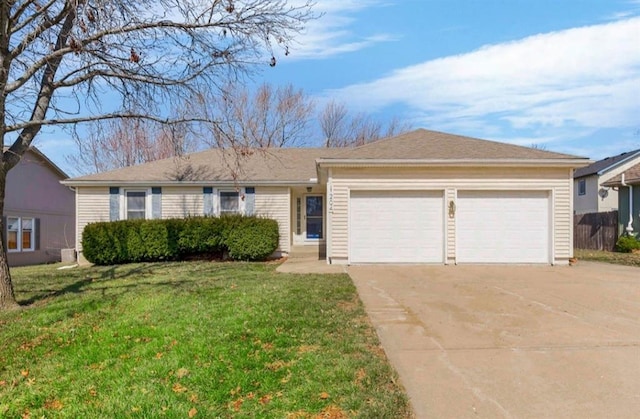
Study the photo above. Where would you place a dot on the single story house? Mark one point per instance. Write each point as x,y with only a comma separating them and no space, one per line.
627,184
39,212
589,193
420,197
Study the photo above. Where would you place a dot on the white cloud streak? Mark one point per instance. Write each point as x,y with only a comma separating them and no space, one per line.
331,34
586,78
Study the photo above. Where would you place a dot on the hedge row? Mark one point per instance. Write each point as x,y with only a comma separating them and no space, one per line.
242,237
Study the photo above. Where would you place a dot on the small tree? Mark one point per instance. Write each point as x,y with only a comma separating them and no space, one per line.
71,61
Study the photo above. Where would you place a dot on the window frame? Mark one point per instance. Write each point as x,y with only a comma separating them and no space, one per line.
229,192
582,187
19,234
124,203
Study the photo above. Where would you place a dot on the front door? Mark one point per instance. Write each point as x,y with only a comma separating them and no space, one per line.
314,216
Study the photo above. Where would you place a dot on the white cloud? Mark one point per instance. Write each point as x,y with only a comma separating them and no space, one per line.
585,78
332,33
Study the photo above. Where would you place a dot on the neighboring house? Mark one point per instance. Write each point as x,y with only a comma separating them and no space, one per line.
627,184
421,197
589,194
39,212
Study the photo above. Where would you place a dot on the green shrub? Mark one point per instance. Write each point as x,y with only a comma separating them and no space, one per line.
627,244
200,235
246,238
253,239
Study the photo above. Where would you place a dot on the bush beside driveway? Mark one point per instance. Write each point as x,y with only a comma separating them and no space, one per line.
510,341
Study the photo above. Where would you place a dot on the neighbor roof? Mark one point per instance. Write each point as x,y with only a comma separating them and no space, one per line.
606,164
631,176
298,165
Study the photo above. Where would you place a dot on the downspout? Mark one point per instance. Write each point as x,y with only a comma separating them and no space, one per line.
629,228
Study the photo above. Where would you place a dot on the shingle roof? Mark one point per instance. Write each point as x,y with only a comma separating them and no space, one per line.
216,165
434,145
605,164
631,176
298,165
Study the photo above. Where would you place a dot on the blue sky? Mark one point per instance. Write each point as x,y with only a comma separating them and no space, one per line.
560,73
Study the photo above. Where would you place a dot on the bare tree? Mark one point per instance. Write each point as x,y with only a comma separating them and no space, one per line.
269,117
117,143
71,61
341,129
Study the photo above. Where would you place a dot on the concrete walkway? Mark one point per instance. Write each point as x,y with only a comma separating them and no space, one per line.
510,341
309,265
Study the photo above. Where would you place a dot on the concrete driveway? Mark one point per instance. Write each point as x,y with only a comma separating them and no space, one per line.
510,341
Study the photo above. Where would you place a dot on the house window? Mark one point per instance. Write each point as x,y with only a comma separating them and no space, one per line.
20,234
582,187
229,202
136,205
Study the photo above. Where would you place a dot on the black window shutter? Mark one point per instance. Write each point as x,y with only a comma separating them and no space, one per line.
36,226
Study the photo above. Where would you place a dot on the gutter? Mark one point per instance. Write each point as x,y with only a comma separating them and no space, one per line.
629,228
115,182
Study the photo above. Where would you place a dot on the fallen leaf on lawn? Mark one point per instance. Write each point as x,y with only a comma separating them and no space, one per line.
26,414
235,391
332,412
324,395
237,404
266,399
178,388
251,396
31,381
192,412
24,373
135,409
182,372
193,398
307,348
93,392
360,375
3,383
159,355
53,404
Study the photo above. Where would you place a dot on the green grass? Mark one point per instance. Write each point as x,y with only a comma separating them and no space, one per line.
631,259
191,339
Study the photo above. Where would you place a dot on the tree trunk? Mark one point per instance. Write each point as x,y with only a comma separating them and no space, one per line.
7,297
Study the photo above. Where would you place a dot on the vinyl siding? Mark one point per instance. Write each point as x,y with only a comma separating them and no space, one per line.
92,206
275,203
450,180
182,202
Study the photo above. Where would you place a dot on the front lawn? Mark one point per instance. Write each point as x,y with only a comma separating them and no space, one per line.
631,259
196,339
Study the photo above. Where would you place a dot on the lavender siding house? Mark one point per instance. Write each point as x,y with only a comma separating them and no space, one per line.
39,212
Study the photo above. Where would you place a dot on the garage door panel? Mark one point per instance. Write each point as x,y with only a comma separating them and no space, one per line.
396,227
503,227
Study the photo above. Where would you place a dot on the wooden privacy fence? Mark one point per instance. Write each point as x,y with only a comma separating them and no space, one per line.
596,230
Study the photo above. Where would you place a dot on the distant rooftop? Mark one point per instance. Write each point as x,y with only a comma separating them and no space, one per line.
605,164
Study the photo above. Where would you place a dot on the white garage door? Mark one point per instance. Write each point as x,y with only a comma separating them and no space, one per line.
503,227
396,227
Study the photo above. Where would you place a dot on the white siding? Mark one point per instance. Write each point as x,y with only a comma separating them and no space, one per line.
92,206
275,203
556,180
182,201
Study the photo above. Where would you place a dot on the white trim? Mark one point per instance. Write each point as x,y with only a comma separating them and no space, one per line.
218,208
20,231
147,202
